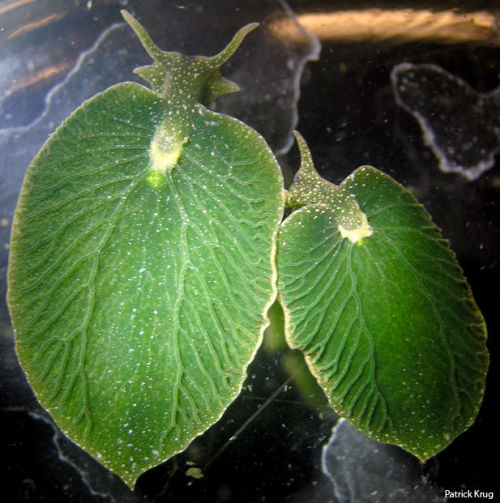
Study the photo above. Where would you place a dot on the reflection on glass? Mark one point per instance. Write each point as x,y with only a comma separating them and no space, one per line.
460,125
403,24
365,471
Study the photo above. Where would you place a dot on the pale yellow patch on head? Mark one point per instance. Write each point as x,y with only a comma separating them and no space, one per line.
166,148
358,232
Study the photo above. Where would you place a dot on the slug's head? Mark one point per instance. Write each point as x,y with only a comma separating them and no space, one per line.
194,79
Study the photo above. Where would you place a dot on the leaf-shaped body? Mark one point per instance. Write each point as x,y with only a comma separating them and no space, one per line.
387,322
137,301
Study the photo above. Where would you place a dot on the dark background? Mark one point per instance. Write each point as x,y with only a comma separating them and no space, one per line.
268,446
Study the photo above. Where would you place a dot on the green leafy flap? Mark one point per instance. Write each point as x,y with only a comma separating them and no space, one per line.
142,262
376,300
